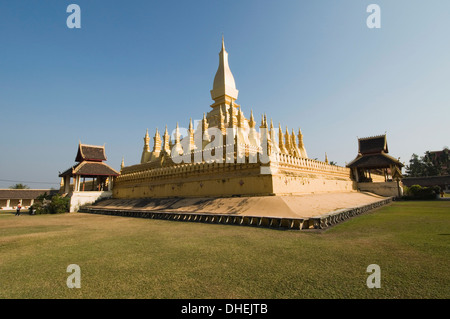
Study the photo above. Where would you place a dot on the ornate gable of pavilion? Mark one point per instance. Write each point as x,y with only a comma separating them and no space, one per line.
90,153
373,145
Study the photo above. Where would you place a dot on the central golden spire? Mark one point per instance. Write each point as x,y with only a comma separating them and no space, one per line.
224,88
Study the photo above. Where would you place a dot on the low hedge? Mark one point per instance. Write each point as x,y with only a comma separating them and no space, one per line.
421,193
55,204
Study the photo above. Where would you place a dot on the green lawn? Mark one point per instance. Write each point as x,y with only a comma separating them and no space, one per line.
141,258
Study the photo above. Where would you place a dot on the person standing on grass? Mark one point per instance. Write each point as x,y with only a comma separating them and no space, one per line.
18,209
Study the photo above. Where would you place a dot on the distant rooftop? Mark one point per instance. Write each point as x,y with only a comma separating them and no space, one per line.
24,193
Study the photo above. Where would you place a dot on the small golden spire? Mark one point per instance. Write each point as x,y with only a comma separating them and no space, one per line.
240,118
233,121
157,142
177,140
301,147
146,141
272,134
205,133
287,138
300,138
167,141
251,122
221,121
177,134
280,138
262,121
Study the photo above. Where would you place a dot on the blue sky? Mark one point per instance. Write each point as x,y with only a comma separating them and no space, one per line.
135,65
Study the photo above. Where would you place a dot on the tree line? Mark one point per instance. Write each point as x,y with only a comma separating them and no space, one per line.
430,164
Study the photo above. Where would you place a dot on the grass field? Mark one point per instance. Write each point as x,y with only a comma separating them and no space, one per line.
141,258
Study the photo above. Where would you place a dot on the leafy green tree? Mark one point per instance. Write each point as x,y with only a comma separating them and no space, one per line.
432,168
431,164
416,167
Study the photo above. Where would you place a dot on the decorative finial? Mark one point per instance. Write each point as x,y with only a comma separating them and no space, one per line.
251,122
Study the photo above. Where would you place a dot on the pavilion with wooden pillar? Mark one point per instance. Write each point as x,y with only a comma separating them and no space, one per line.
90,174
91,167
374,165
373,158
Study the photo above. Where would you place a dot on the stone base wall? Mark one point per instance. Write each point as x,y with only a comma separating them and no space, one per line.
304,183
284,175
231,180
78,199
387,189
245,183
296,176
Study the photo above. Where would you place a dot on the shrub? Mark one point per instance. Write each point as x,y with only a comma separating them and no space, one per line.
55,205
59,205
421,193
